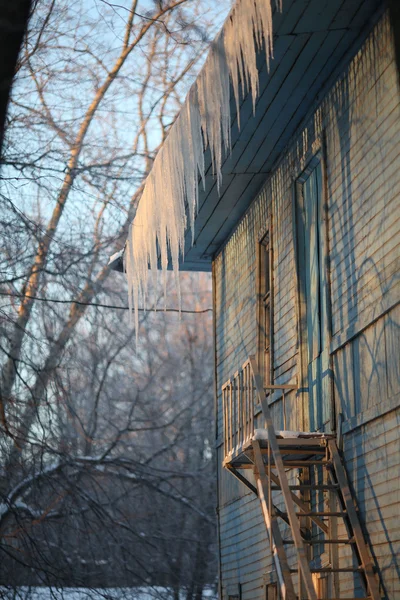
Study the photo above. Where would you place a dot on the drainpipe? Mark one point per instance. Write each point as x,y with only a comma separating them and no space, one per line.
216,433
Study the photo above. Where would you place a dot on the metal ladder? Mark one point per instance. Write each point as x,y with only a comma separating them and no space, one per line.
271,458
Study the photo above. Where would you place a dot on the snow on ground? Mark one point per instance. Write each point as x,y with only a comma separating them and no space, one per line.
136,593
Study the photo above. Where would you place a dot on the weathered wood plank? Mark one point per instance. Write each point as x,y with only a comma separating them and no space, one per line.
345,14
294,524
285,102
279,554
232,206
287,21
286,50
296,105
319,15
373,585
370,295
361,267
378,227
364,138
392,339
370,188
372,463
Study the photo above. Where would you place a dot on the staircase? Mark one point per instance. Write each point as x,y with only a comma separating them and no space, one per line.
274,457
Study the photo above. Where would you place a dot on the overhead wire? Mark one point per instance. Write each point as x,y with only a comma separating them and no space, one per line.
101,305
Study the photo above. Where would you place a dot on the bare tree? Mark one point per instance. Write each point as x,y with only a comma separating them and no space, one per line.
98,87
127,445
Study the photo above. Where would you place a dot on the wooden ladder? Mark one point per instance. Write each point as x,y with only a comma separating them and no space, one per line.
270,464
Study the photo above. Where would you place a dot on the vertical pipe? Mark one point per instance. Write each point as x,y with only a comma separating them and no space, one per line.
243,407
250,389
224,418
240,408
235,403
284,408
269,490
245,403
252,406
230,416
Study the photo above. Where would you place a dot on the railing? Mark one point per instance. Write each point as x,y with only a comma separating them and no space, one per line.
238,396
239,404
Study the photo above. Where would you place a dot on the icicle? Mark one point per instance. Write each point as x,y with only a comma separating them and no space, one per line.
157,233
251,19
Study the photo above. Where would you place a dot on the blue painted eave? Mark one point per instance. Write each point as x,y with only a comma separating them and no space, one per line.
313,42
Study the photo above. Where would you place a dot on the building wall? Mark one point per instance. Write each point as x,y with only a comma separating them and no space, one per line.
356,128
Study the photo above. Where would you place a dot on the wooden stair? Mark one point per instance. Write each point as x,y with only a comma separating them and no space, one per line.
272,456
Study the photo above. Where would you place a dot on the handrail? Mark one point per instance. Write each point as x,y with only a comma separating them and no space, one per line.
273,447
238,409
239,400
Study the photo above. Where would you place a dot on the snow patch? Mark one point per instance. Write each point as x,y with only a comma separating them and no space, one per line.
171,190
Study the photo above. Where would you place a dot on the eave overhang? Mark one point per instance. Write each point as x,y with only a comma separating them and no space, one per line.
313,42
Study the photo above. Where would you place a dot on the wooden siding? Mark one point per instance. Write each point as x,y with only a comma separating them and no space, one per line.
356,127
372,460
362,152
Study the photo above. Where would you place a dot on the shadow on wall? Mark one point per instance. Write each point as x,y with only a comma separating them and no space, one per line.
363,186
235,308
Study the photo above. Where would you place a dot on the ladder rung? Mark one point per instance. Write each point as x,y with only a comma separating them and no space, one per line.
332,570
328,486
300,463
322,514
333,462
325,541
285,452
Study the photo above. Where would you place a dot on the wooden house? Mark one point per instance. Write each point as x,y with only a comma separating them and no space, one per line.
302,239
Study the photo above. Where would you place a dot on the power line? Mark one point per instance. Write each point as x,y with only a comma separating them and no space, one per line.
100,305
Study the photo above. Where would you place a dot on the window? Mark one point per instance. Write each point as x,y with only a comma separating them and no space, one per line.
312,276
264,278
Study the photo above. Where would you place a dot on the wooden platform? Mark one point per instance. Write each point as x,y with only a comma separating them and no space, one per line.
271,454
297,450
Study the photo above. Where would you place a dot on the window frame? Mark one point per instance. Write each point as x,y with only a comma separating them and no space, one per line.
318,160
265,293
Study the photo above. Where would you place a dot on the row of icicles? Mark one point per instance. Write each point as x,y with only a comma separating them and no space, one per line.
157,233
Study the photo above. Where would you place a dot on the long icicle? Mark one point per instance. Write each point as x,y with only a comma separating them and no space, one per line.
157,233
